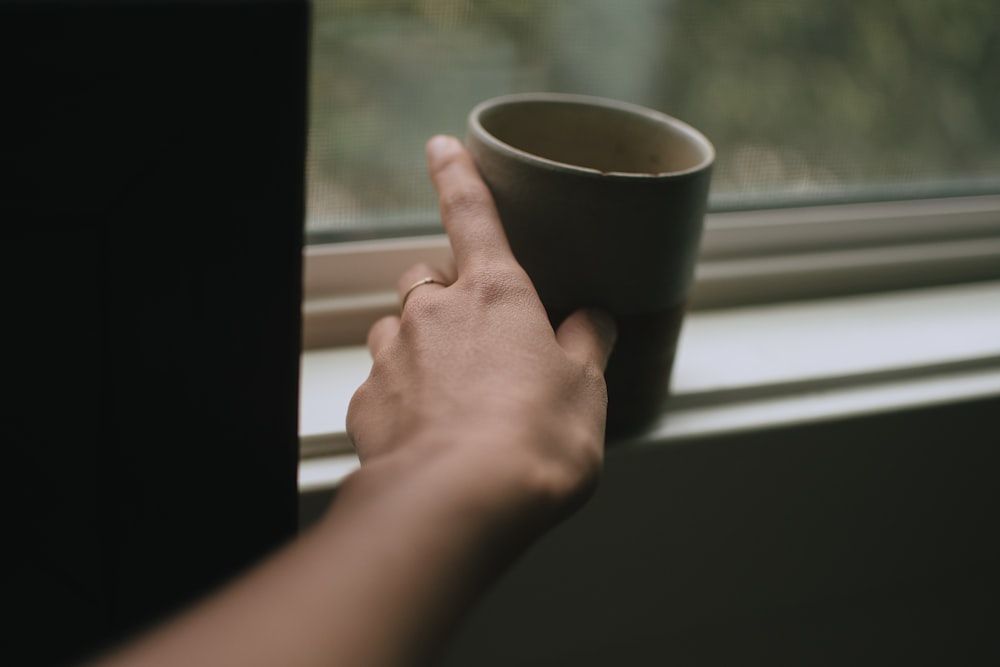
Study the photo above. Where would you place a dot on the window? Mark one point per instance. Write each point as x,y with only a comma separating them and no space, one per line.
858,152
807,103
840,447
857,145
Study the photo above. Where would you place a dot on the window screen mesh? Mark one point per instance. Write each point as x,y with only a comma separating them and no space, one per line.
805,102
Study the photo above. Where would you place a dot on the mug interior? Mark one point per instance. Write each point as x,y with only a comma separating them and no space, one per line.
607,139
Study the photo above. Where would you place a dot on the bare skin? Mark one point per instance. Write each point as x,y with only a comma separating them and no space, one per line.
478,428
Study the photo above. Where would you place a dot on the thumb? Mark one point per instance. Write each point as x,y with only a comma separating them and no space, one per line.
589,336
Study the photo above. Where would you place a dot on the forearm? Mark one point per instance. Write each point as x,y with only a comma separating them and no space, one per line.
433,542
478,428
380,580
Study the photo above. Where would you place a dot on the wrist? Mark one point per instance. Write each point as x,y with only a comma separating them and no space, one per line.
494,482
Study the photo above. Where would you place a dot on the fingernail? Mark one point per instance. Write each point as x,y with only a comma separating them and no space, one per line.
606,323
440,146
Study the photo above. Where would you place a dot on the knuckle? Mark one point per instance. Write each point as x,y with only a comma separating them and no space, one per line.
421,307
500,283
356,408
380,327
593,378
573,479
464,200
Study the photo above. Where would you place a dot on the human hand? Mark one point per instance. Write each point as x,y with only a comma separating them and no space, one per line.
478,427
472,370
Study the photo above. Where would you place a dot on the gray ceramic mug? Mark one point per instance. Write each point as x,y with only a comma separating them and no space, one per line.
603,204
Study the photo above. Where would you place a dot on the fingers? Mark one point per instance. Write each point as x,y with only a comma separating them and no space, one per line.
421,278
588,335
382,333
467,210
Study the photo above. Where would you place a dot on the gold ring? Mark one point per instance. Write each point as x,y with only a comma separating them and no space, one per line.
419,283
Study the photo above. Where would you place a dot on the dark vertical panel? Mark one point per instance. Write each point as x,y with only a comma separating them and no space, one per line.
151,221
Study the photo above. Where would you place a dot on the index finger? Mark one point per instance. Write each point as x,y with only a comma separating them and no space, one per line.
467,210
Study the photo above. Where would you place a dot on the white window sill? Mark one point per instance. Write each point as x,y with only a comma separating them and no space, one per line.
752,368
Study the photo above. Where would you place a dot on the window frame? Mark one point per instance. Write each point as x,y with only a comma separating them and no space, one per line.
747,258
762,270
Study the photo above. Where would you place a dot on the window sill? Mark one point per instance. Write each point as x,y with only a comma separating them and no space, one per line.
751,368
747,257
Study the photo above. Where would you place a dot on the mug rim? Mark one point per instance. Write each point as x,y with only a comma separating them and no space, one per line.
570,99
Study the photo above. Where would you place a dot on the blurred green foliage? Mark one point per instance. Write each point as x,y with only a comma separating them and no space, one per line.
804,101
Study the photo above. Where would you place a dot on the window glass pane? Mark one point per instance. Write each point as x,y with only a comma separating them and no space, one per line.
806,102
